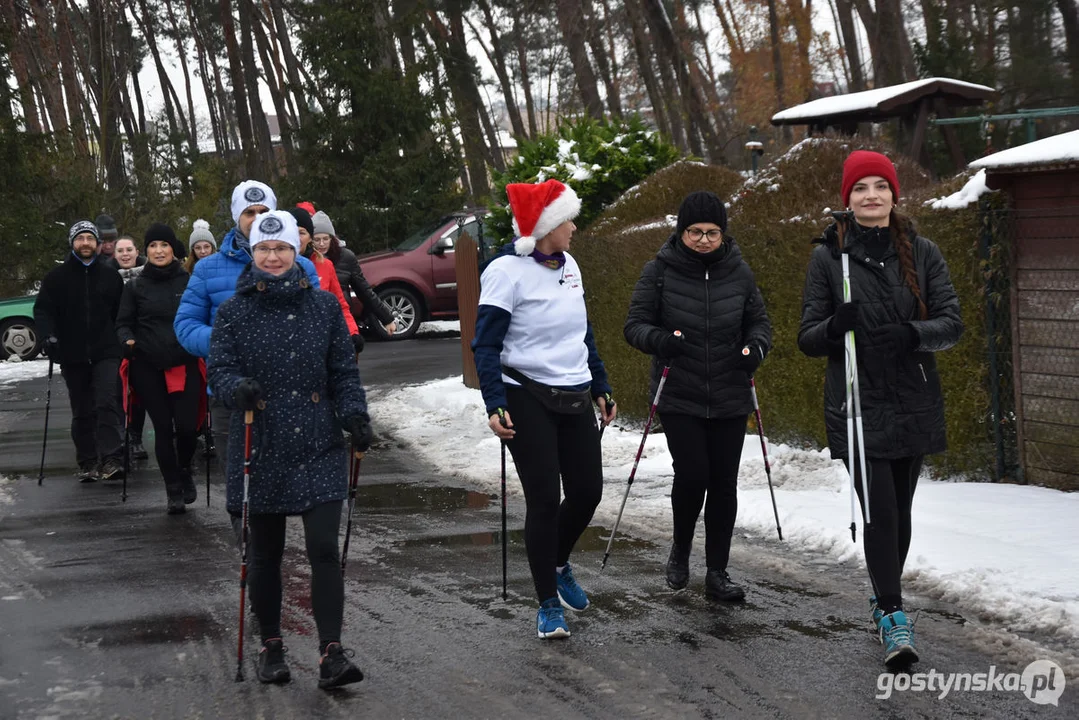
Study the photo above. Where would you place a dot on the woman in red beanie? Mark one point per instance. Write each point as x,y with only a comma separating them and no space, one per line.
903,309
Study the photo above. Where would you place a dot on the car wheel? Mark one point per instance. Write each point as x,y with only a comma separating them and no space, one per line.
406,310
18,337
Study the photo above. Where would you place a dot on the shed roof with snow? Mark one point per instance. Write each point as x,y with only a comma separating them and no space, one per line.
882,103
1059,151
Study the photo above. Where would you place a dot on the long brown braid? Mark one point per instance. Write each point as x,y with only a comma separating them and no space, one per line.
902,231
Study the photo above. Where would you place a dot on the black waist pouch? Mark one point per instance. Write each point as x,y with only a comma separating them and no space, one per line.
565,402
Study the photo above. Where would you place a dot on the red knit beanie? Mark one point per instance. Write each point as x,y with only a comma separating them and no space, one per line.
863,163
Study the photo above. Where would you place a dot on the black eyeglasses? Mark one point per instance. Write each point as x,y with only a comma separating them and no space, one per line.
695,234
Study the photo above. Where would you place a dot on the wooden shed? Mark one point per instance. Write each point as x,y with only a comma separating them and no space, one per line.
1042,181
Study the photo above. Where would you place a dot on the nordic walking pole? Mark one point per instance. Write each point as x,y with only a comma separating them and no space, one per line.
764,451
127,433
636,460
45,439
355,457
505,561
854,413
249,417
206,450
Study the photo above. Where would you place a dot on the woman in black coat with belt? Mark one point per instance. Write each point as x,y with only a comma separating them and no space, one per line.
699,284
349,273
168,381
903,309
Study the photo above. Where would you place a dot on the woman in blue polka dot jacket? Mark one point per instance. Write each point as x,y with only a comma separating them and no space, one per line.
280,347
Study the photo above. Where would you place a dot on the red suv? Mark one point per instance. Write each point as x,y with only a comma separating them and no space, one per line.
417,279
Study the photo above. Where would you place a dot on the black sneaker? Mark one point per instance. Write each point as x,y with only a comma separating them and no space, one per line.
335,669
271,666
719,586
138,452
111,469
190,492
678,567
87,473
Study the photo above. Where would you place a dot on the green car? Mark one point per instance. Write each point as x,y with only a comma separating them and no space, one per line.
17,333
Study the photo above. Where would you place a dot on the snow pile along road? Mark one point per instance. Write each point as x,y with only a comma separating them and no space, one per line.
14,371
1004,552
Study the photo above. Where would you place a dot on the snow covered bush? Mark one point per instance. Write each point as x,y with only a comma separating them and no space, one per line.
599,159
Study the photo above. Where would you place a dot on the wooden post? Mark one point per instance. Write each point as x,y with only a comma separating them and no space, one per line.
466,258
917,144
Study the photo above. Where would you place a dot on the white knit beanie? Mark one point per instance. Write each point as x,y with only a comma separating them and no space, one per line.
251,192
275,225
201,233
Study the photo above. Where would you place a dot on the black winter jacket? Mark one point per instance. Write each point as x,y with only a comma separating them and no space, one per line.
901,402
78,304
719,310
147,310
350,275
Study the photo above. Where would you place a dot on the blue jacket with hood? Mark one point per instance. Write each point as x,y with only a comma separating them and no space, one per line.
212,283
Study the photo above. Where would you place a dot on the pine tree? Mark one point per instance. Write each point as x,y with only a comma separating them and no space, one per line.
372,159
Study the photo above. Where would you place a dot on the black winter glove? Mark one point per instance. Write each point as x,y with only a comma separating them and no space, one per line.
51,346
672,346
247,394
359,427
358,342
847,317
894,338
750,359
129,350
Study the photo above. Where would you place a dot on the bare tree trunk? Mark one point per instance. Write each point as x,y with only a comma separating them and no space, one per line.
669,103
296,87
599,52
695,86
844,10
522,61
181,51
259,124
498,60
691,107
221,143
458,66
20,69
284,121
801,17
458,45
1069,13
48,61
149,34
571,23
69,72
239,92
641,48
616,73
704,45
777,56
438,90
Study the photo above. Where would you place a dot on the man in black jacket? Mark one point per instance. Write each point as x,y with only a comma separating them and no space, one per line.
75,312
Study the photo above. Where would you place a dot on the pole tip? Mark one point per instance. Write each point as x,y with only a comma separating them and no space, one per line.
239,676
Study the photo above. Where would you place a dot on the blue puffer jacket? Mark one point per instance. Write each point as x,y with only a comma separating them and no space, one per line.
212,283
292,339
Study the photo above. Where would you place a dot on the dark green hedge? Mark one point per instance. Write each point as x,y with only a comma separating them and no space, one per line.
773,218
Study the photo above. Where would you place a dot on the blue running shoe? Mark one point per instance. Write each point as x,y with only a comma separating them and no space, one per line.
877,613
897,634
569,592
551,620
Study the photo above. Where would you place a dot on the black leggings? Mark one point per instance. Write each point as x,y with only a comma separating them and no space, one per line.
553,452
320,527
886,539
175,415
706,454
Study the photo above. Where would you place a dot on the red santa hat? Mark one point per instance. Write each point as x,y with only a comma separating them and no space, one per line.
538,209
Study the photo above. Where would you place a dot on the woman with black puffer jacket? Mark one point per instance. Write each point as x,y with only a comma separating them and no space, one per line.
903,309
169,382
349,273
699,284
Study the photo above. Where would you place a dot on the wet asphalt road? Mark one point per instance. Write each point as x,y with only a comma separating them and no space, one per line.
115,610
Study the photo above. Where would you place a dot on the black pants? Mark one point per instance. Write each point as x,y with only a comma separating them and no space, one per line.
706,454
554,453
175,415
137,420
219,417
886,539
320,526
97,418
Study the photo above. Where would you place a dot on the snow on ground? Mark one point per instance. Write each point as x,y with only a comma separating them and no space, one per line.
439,326
6,484
14,371
969,193
1003,552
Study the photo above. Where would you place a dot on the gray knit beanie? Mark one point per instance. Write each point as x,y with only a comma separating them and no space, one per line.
201,233
322,224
